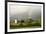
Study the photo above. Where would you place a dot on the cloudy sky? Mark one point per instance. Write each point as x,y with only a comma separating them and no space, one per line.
23,11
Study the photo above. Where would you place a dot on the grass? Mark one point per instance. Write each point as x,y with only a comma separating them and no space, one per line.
28,24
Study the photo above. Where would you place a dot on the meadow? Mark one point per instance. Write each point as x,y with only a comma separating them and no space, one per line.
25,24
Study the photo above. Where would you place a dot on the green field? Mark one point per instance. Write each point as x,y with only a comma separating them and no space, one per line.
26,24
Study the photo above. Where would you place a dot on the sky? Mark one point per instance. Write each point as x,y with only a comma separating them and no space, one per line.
23,11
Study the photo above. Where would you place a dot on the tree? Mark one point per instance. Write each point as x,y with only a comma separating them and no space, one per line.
22,21
30,20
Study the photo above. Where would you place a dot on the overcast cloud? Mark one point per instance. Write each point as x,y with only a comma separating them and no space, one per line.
24,11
